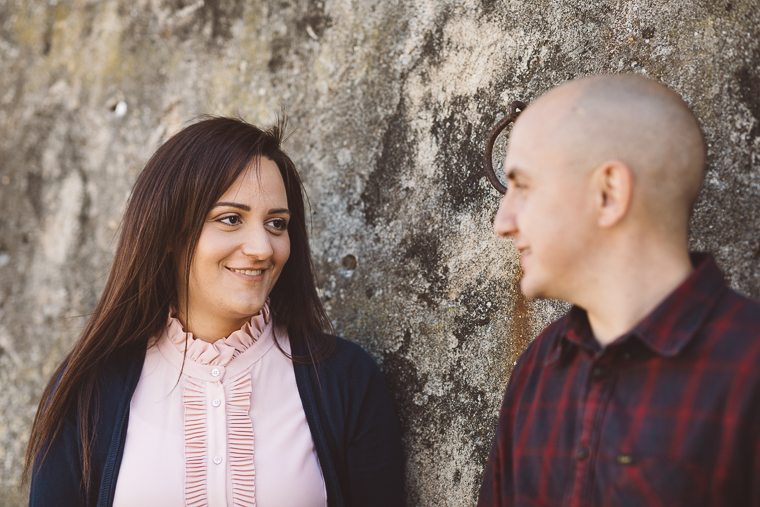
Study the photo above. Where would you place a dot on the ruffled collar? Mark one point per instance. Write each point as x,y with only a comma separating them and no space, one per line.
222,351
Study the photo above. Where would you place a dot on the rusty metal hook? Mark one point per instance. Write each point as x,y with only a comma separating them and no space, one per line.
488,160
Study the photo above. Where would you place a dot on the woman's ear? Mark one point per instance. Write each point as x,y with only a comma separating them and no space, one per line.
612,182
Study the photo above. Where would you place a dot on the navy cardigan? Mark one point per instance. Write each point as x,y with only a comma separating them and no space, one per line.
347,406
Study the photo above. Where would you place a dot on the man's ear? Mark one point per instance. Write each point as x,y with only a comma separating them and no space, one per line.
612,182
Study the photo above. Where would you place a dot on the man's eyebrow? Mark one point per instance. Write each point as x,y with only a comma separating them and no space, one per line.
243,207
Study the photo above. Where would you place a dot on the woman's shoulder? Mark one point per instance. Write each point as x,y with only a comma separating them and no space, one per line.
118,379
346,349
348,357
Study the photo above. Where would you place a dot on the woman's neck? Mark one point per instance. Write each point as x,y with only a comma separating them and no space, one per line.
210,329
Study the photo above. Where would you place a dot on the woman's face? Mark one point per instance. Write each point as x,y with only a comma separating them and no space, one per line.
241,251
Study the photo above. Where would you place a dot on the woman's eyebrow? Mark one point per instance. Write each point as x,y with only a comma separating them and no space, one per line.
243,207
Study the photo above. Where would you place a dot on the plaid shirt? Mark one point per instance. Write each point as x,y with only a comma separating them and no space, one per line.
666,415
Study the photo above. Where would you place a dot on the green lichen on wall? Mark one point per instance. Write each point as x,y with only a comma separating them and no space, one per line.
390,103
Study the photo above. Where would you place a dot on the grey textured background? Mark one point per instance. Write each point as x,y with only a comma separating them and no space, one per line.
390,102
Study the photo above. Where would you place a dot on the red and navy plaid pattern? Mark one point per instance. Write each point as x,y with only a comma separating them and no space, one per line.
667,415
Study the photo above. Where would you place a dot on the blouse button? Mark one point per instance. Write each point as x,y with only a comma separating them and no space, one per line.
216,402
217,460
215,372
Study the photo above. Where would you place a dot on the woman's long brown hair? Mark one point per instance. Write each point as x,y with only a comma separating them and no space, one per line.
166,212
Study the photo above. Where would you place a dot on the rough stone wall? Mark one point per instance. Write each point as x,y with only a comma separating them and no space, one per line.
390,102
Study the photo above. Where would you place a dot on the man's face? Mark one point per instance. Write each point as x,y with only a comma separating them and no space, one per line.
547,207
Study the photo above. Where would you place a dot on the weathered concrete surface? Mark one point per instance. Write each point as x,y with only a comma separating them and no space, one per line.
391,102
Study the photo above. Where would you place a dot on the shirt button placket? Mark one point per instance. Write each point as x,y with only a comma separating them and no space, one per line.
590,429
216,433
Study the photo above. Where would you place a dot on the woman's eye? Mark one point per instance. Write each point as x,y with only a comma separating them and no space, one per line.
230,220
278,223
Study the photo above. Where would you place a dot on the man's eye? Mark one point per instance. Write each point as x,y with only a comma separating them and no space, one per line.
278,223
231,220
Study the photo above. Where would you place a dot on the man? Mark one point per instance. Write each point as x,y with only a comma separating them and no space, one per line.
648,392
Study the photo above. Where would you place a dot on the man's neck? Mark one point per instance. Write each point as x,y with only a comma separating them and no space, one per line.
630,287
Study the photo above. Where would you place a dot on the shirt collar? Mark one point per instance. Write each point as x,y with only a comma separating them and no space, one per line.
669,327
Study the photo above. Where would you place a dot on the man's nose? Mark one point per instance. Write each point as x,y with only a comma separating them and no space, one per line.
505,224
258,244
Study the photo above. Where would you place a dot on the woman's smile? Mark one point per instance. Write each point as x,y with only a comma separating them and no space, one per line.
251,274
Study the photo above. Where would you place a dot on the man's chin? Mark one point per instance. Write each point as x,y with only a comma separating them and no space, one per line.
530,289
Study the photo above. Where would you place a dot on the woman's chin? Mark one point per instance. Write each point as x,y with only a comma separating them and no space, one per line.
247,311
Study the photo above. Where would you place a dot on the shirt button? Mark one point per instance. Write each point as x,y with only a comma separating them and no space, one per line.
599,372
216,402
582,453
625,459
217,460
215,372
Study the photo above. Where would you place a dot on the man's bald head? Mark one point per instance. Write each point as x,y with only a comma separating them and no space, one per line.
636,121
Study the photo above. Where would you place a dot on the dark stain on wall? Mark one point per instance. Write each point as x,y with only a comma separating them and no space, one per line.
421,253
380,194
748,81
219,14
315,18
479,310
459,158
434,42
280,49
293,45
404,379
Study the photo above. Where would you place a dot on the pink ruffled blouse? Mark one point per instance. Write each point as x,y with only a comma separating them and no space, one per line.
229,431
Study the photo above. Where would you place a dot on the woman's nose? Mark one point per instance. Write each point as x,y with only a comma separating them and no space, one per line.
258,244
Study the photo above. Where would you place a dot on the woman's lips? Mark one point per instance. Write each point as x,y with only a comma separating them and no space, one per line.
249,272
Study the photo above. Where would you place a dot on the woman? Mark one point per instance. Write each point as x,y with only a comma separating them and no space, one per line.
204,376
